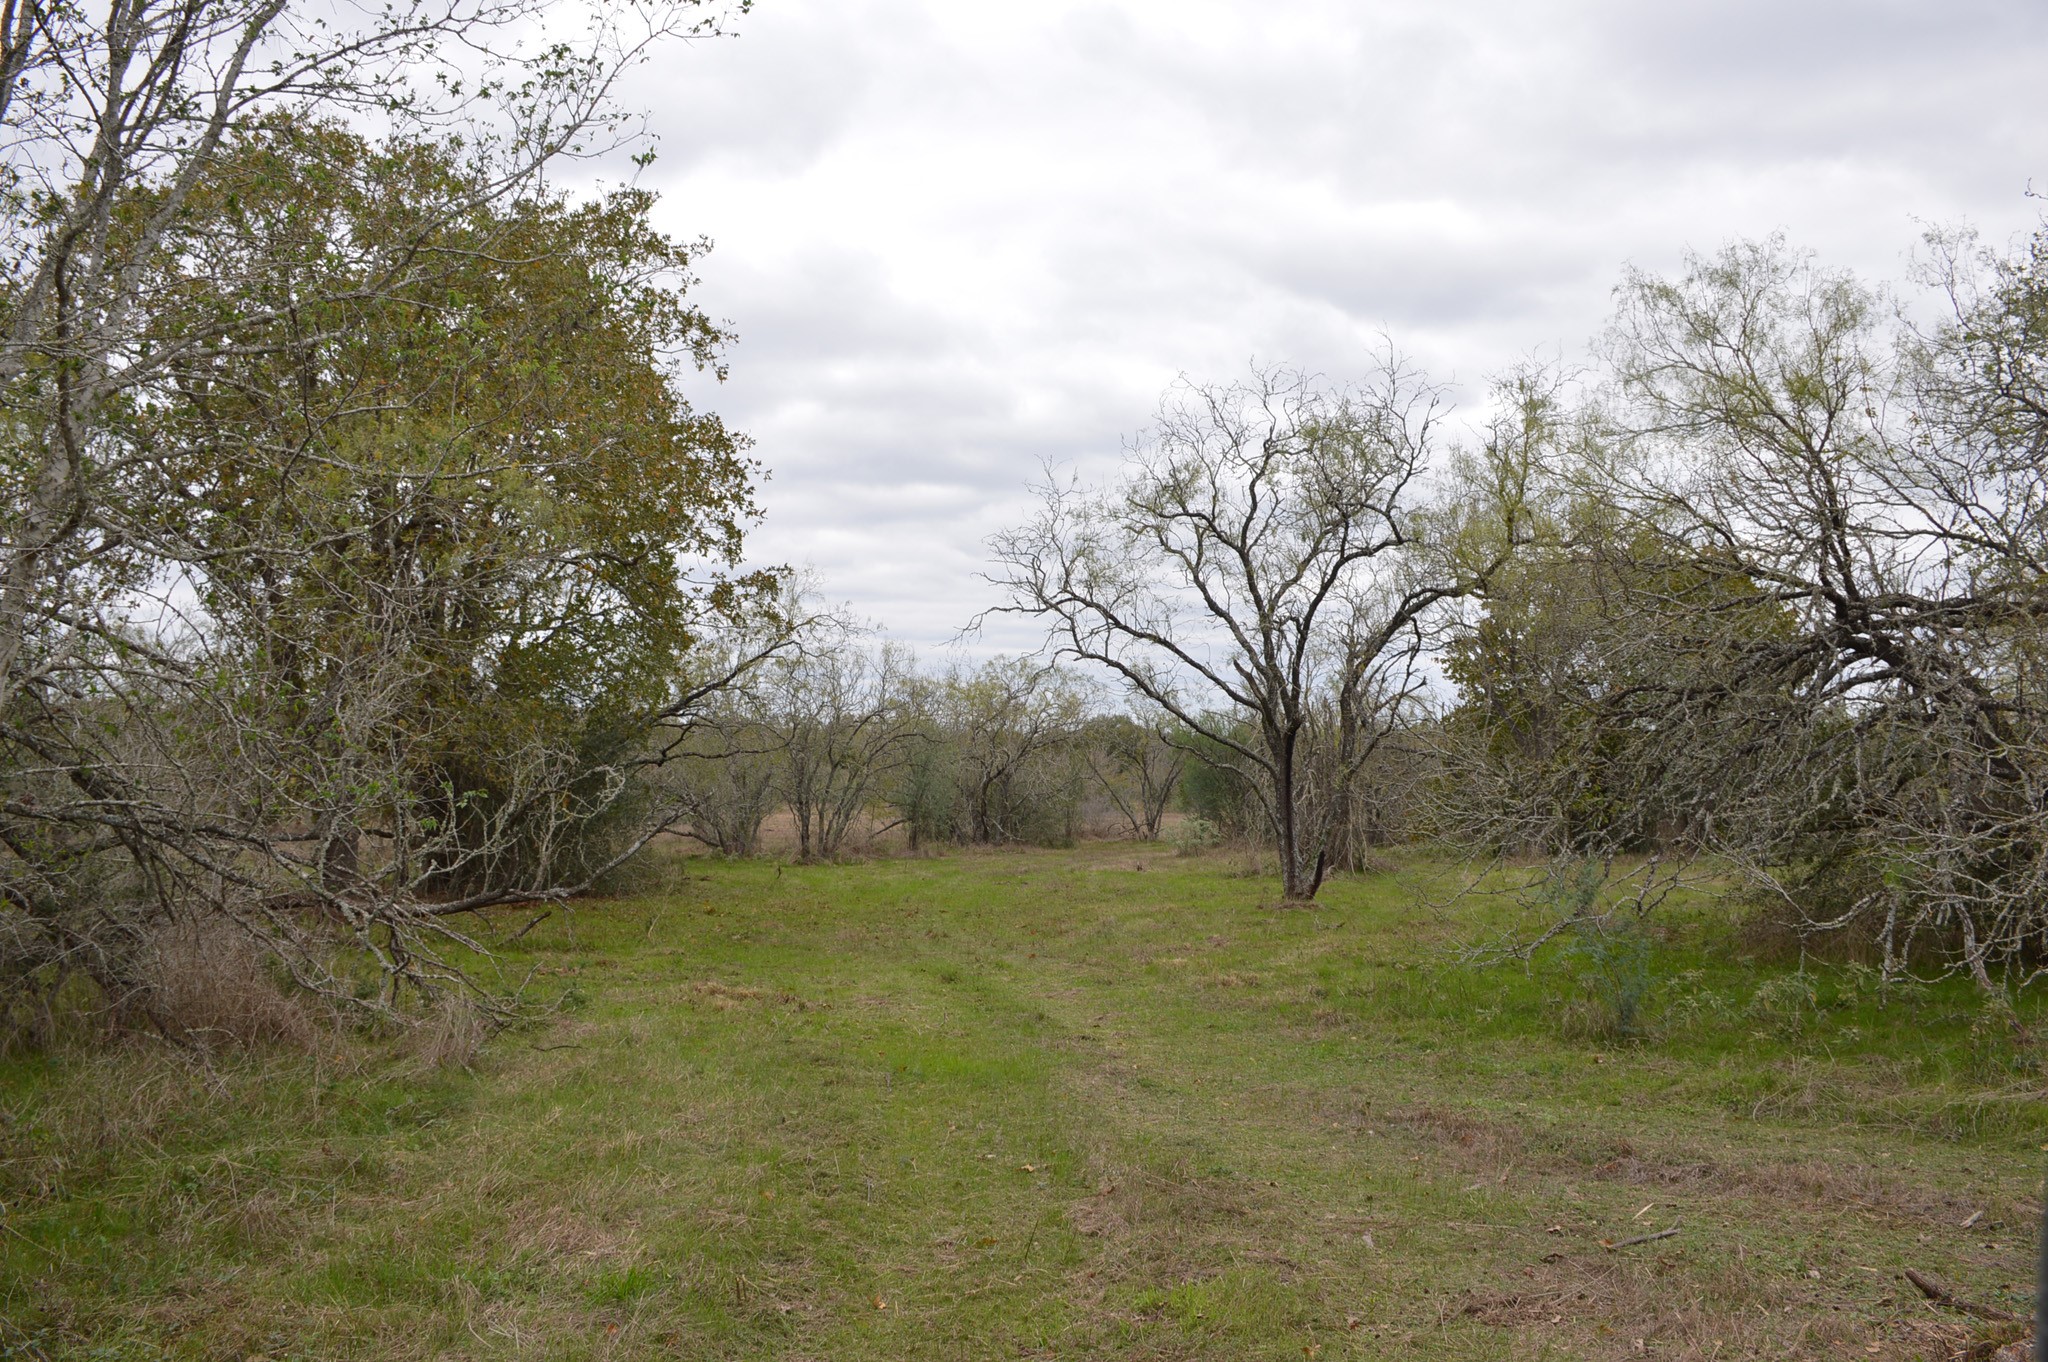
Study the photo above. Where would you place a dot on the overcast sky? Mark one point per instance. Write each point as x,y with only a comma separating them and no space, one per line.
959,239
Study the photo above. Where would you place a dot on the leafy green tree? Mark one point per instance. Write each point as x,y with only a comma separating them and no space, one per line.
489,469
433,563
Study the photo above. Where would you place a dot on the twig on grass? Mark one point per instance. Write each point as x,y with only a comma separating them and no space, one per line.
534,921
1942,1296
1641,1238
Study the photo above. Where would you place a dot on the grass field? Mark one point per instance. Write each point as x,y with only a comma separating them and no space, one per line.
1051,1104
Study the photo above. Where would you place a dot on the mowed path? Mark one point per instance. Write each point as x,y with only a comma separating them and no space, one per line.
1101,1103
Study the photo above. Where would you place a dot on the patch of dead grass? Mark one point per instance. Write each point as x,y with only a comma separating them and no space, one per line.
1097,1217
1482,1142
556,1232
724,997
210,986
1663,1305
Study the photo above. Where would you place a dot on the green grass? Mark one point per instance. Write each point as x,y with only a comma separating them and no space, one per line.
1095,1103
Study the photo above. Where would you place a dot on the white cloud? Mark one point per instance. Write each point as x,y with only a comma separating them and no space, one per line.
957,241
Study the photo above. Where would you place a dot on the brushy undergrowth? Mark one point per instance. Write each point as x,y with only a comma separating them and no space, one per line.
1108,1102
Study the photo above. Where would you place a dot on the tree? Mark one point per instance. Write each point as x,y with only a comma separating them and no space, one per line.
390,598
1598,724
840,708
925,791
113,118
1776,431
492,470
1137,767
721,777
1010,724
1269,573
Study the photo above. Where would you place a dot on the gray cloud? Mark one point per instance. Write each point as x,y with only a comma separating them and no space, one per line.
958,242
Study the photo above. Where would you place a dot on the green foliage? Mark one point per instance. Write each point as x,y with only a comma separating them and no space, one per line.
479,467
1214,791
1611,962
1195,835
927,790
997,757
445,542
1784,1004
1594,711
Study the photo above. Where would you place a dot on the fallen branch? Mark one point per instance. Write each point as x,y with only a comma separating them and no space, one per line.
1942,1296
1611,1245
538,918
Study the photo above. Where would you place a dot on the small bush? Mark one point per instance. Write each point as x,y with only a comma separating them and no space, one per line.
1195,835
1785,1004
1610,960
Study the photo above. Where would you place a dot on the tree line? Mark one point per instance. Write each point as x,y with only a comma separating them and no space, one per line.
852,741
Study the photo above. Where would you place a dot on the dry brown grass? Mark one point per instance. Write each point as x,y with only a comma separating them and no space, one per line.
209,985
1483,1143
449,1036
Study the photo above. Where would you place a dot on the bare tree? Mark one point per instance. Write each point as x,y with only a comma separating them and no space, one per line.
1270,556
839,705
721,778
1137,767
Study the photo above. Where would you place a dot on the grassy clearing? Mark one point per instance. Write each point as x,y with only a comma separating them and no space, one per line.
1098,1103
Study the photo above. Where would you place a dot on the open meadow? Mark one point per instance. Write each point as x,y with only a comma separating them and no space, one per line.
1105,1102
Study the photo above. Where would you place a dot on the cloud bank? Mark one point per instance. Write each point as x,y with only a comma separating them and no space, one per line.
960,242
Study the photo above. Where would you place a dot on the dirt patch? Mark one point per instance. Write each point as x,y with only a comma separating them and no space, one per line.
1484,1143
1097,1217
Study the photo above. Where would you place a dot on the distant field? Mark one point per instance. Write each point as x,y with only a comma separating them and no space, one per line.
1049,1104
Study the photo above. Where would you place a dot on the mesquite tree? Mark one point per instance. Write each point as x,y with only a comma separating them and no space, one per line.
839,705
1268,571
1779,436
1137,767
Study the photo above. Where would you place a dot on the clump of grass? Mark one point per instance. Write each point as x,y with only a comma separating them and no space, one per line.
1786,1004
209,985
451,1034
